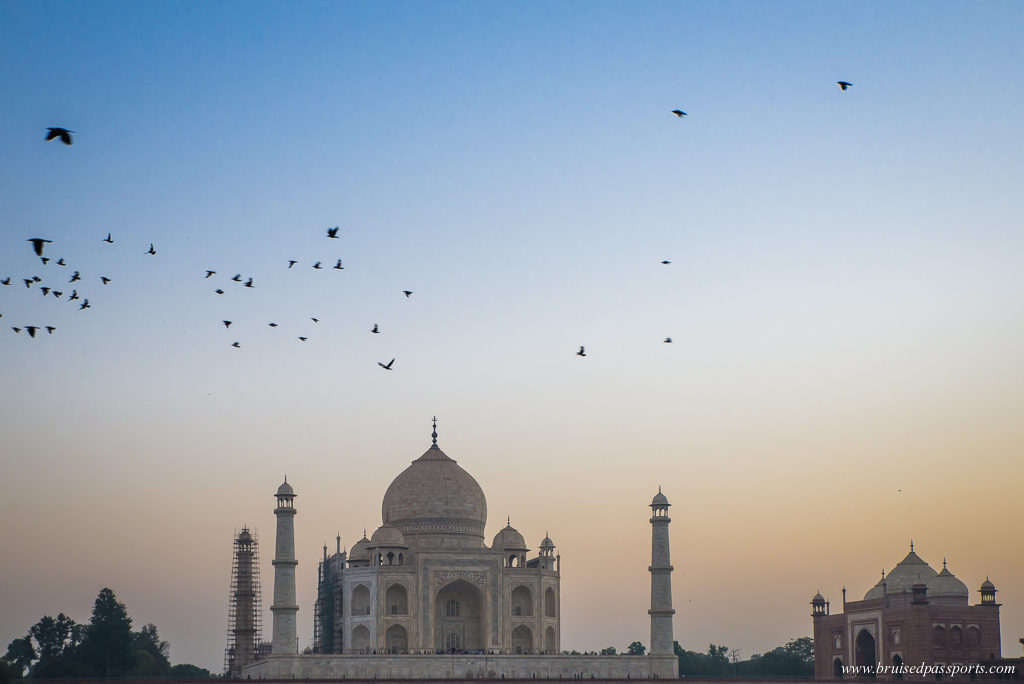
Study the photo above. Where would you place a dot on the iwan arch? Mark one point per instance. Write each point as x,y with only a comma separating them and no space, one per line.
425,597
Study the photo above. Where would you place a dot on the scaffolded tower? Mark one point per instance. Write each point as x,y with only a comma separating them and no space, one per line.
244,607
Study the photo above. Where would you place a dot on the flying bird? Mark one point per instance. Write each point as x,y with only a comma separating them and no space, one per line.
679,113
58,294
581,352
227,324
45,260
237,277
843,85
315,320
317,266
375,330
272,325
108,239
75,276
210,273
37,245
50,329
74,296
407,293
60,262
84,305
58,132
36,279
668,340
303,338
292,262
666,262
28,282
6,281
386,366
45,290
151,250
332,232
338,265
235,345
219,291
105,279
17,330
31,329
248,283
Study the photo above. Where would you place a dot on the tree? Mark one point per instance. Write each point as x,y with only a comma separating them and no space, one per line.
610,650
636,648
107,646
188,671
19,657
150,653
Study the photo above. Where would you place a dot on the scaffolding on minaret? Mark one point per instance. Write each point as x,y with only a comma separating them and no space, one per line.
244,605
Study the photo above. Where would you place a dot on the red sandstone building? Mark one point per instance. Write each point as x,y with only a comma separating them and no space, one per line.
914,615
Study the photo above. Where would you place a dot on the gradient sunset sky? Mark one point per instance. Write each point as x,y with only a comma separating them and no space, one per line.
845,296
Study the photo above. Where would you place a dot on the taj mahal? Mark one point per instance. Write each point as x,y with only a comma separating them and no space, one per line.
424,596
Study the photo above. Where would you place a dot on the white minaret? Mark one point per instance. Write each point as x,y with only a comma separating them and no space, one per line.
284,607
661,611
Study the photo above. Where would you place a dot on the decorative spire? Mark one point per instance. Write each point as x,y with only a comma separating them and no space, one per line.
508,520
911,545
943,562
433,435
286,478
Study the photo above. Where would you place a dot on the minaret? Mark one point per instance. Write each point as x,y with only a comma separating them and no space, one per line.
661,611
284,607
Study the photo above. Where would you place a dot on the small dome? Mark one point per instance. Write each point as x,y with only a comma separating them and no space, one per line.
285,489
818,598
509,538
987,585
546,543
947,584
244,537
360,550
386,535
660,499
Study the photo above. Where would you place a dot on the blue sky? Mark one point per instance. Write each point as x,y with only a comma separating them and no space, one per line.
843,296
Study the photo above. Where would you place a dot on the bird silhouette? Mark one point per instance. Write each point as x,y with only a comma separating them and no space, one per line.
292,262
235,345
375,330
60,262
17,330
407,293
36,279
74,296
45,260
28,282
84,305
843,85
332,232
210,273
386,366
6,281
666,262
37,245
227,324
105,279
581,352
50,329
108,239
303,339
31,330
58,294
45,290
219,291
317,266
668,340
75,276
338,265
272,325
248,283
58,132
237,277
679,113
315,320
150,250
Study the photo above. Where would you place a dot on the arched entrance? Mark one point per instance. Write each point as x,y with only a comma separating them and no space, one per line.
549,641
522,640
361,639
897,667
837,668
864,652
398,639
458,618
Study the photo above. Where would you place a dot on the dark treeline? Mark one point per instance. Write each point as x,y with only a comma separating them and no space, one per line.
58,647
795,659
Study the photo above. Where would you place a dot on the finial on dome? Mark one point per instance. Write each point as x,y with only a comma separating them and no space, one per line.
508,520
911,545
883,574
433,435
286,478
943,562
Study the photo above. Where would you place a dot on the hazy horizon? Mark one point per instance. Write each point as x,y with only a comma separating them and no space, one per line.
843,297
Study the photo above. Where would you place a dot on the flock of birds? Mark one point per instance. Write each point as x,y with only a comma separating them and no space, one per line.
49,287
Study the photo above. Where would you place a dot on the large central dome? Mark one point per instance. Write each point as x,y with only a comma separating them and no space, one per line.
436,501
